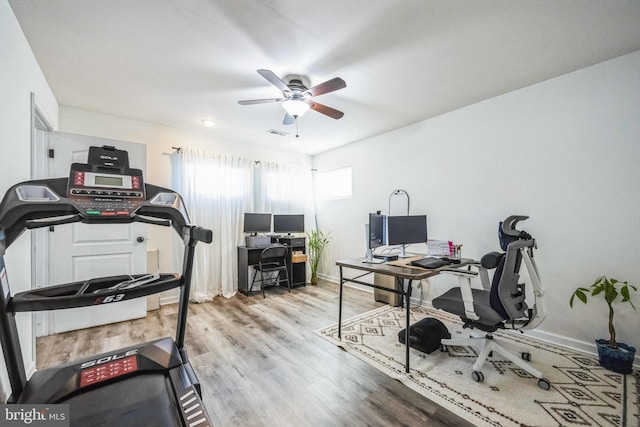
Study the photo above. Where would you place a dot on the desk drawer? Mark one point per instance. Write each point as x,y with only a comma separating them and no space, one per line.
292,241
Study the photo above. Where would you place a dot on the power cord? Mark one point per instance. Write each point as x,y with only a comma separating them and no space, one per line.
419,304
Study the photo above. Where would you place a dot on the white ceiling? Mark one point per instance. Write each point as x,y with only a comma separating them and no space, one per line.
176,62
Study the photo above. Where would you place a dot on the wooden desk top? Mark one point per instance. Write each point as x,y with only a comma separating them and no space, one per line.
398,268
394,268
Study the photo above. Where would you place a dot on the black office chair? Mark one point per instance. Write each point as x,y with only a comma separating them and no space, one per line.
500,304
272,260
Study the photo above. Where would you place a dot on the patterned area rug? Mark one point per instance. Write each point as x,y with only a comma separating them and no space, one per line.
582,393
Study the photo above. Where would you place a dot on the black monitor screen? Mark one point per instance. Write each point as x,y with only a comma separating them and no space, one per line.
257,223
288,223
377,230
404,230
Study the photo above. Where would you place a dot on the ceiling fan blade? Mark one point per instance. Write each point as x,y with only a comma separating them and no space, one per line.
288,120
328,86
273,79
327,111
259,101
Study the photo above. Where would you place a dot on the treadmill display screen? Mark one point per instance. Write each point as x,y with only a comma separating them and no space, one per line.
109,370
111,181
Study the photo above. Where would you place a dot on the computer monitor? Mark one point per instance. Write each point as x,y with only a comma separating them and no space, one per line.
257,223
288,224
377,230
405,230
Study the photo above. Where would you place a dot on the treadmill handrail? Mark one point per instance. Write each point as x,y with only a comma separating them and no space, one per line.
49,222
90,292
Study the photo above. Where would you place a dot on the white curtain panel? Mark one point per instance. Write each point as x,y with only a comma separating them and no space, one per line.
217,191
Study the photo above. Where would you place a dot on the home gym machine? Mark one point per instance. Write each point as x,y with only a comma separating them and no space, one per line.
150,384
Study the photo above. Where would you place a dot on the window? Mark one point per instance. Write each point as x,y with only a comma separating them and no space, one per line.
334,184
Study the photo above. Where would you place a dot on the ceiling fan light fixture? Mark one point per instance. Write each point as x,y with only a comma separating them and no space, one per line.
295,107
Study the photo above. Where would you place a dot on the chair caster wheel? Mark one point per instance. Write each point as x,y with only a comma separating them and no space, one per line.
477,376
544,384
526,356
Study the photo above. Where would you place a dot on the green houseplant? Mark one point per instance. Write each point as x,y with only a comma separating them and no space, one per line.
612,354
317,241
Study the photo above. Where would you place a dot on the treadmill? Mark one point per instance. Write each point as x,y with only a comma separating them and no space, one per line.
150,384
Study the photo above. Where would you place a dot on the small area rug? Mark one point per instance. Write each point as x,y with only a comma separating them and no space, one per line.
582,393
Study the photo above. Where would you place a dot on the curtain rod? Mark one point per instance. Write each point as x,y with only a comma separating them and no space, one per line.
256,162
176,149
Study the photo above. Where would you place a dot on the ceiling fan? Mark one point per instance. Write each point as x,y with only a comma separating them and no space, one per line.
297,97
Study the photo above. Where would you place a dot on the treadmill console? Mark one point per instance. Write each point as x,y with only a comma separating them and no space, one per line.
106,186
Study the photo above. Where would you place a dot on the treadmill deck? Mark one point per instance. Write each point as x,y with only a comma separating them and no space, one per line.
142,385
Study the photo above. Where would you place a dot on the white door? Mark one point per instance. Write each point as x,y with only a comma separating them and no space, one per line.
80,251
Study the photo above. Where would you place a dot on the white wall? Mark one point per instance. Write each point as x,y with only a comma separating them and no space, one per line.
20,75
564,152
159,140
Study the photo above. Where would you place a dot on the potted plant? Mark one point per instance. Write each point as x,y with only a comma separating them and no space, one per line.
613,355
318,241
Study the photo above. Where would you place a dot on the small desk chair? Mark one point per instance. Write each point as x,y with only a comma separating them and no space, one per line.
500,304
272,260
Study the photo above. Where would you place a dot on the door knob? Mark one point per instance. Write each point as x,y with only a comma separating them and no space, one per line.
140,239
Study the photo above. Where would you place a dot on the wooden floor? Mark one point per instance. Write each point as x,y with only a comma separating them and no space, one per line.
260,364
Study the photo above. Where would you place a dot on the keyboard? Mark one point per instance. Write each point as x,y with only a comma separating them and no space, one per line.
430,262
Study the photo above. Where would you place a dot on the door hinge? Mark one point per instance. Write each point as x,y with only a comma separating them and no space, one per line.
51,153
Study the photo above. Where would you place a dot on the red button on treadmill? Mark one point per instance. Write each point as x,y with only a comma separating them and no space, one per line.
122,213
108,213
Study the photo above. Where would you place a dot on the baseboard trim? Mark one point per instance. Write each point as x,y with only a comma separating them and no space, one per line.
347,284
172,299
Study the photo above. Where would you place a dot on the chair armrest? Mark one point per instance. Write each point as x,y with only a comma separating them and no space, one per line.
482,272
458,272
464,283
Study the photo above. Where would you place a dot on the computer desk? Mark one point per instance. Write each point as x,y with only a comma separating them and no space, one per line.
400,272
251,256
